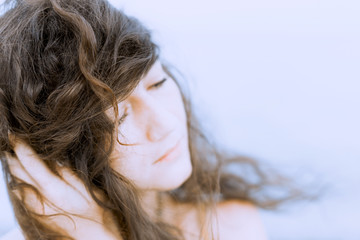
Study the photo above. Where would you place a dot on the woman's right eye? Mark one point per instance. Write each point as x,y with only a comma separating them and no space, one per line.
121,120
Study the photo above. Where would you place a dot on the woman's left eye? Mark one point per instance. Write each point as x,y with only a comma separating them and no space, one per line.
159,84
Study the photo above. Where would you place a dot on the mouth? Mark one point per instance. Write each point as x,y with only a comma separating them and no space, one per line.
171,153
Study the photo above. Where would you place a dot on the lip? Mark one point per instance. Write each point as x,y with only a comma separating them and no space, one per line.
172,152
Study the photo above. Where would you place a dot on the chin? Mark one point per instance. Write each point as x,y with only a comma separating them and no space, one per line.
173,177
176,182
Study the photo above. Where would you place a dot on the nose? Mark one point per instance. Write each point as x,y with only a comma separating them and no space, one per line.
159,121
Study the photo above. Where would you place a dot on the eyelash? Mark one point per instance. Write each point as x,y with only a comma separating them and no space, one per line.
121,120
159,84
156,86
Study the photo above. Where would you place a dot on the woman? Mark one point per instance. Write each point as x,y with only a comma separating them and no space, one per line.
99,142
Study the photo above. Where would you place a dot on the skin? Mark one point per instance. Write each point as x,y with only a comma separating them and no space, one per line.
155,123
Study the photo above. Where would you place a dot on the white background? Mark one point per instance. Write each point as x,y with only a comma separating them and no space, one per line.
277,80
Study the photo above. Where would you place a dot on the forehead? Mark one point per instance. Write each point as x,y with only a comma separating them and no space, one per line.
155,71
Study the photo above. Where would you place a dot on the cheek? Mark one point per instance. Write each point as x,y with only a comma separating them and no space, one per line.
129,133
131,165
174,103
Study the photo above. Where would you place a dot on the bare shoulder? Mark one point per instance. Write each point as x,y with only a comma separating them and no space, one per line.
14,234
239,220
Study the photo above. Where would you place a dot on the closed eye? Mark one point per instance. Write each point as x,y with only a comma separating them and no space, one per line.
121,120
158,84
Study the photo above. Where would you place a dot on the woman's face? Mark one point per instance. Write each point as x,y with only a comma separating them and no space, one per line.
155,123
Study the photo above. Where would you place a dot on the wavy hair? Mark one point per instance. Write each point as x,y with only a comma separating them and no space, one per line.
62,64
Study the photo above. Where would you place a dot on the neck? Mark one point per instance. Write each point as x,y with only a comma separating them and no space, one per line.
152,203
